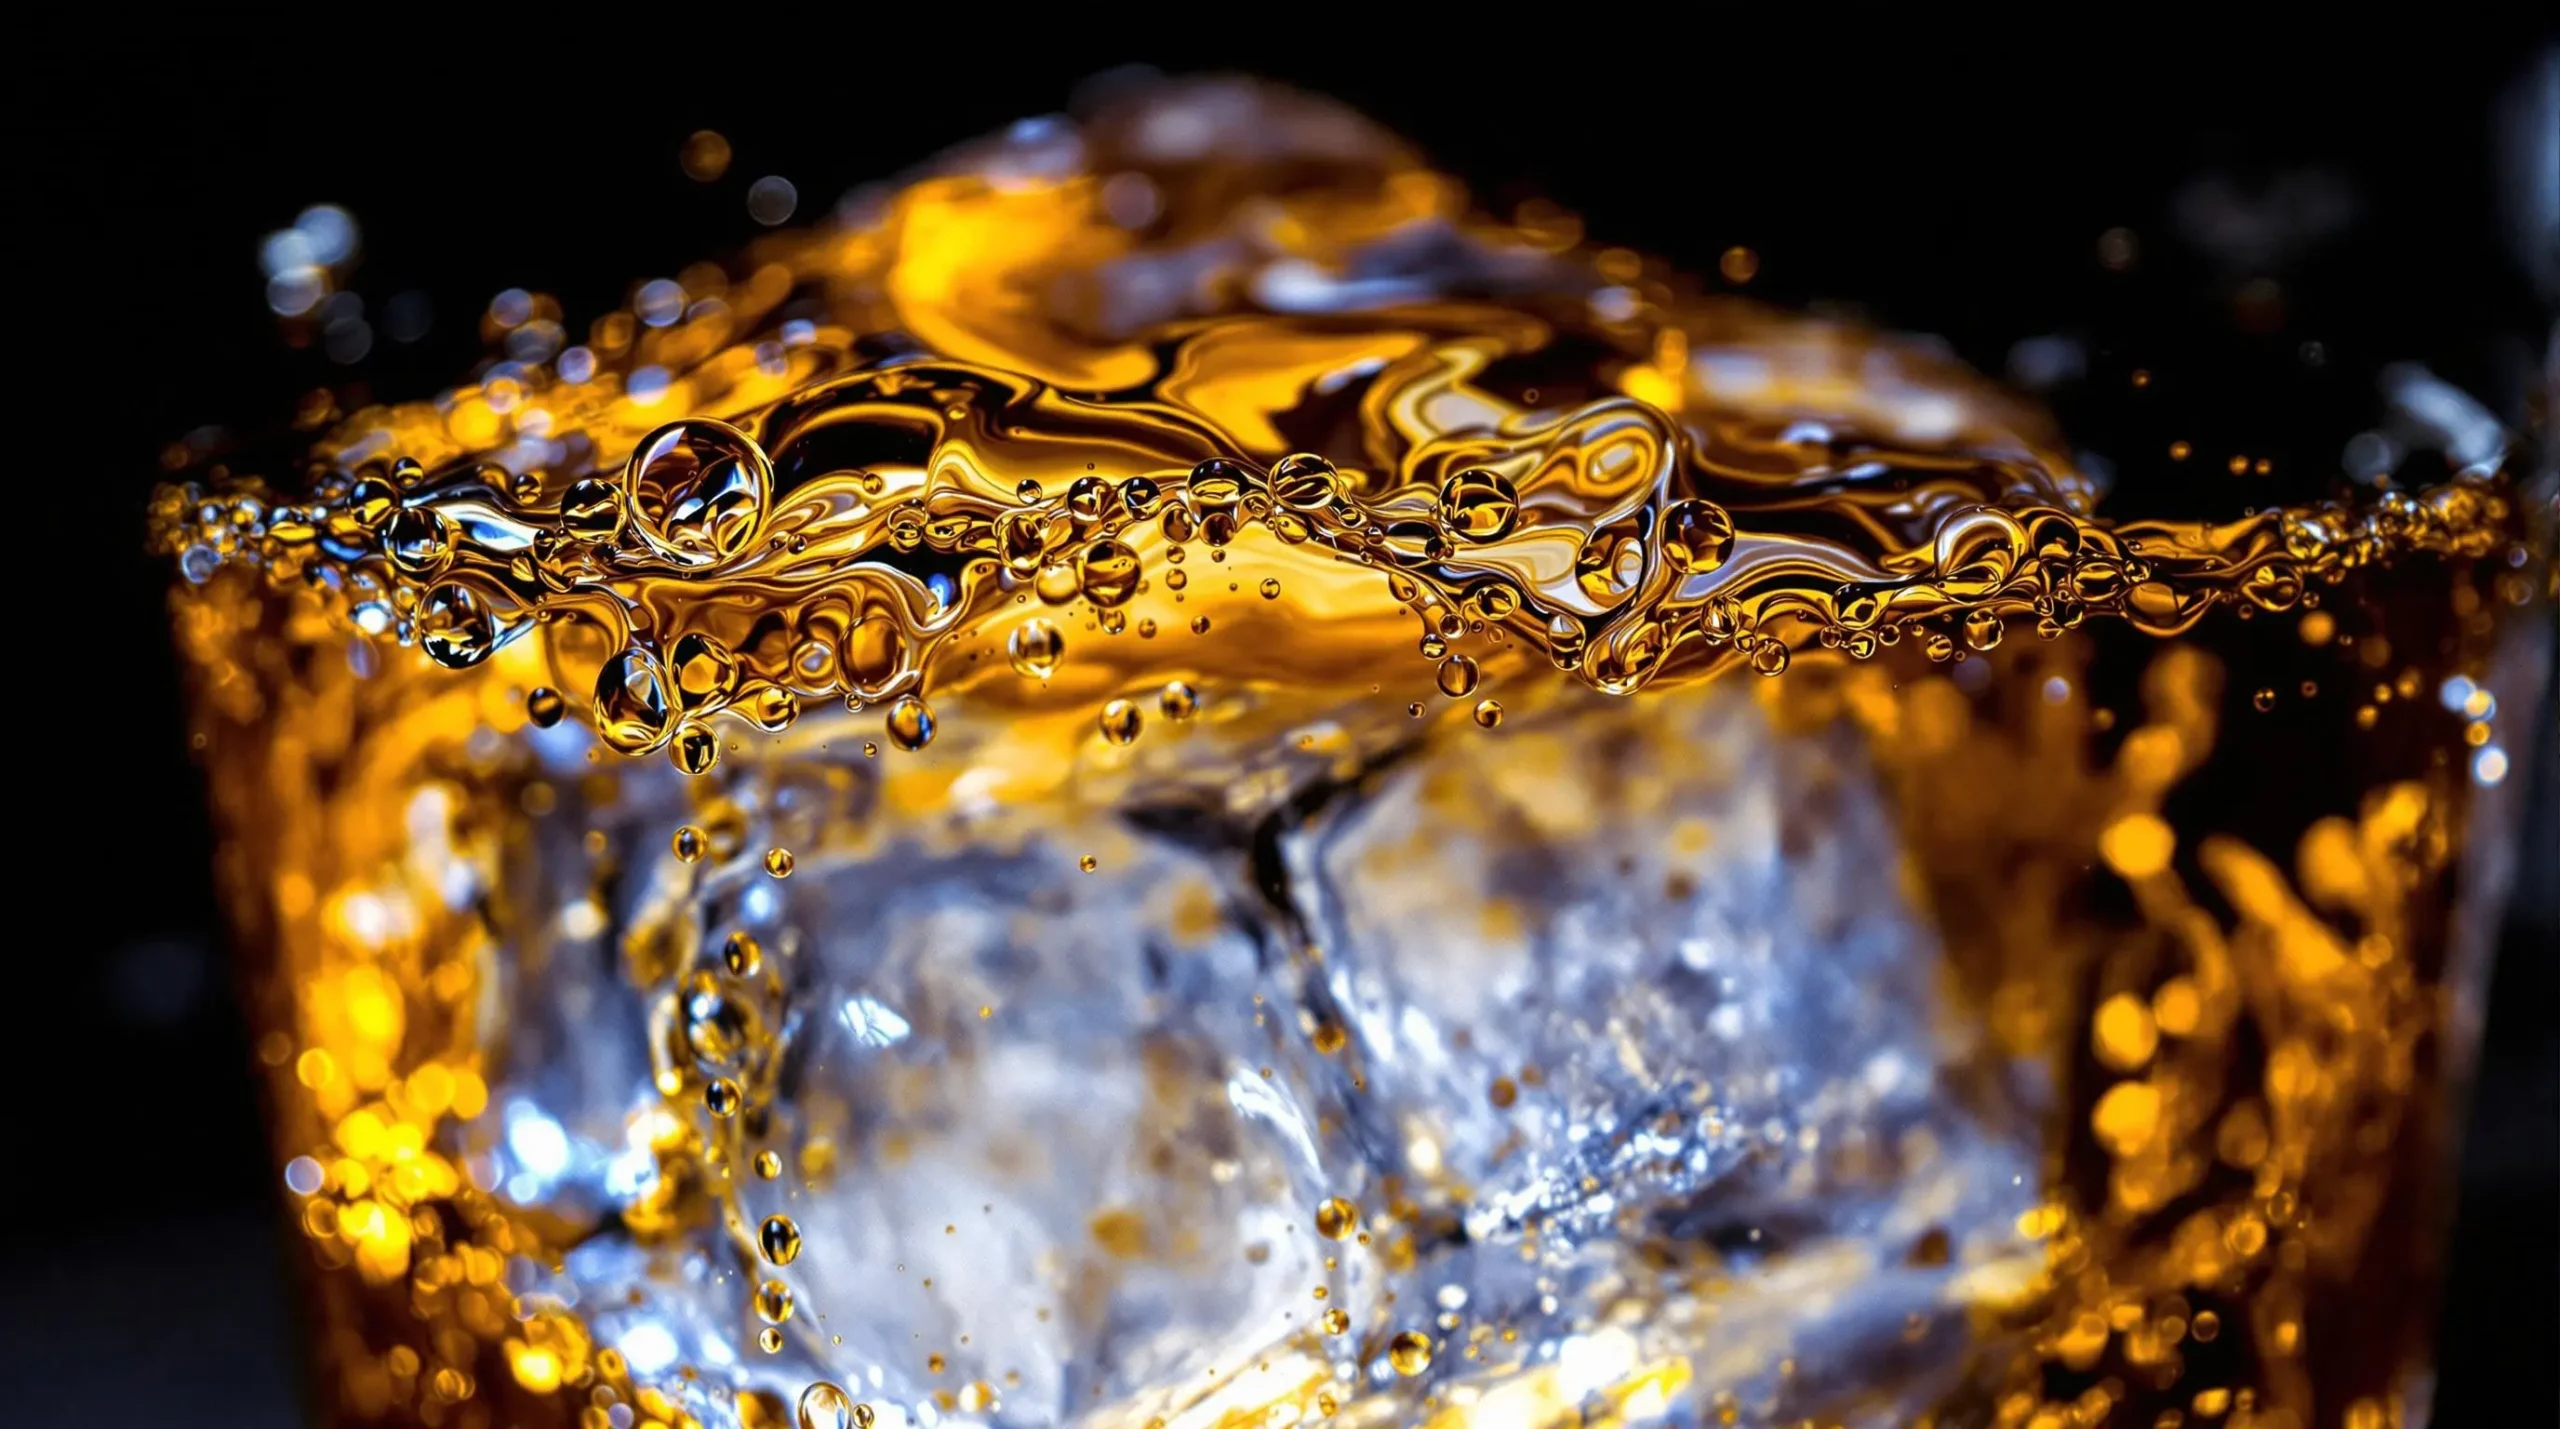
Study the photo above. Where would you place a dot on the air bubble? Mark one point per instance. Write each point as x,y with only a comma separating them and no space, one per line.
1035,647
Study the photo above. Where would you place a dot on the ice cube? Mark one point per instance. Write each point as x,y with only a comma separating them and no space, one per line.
1616,1027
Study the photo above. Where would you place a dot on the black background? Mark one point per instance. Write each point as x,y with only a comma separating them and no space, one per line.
1958,188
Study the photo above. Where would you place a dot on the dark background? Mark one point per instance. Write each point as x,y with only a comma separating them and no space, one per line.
1960,189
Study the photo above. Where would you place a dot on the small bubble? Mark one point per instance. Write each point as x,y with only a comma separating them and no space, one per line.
687,844
1739,265
1488,713
721,1097
544,706
1337,1321
2265,699
455,626
1200,625
1336,1218
1458,676
1770,657
1120,721
779,1239
768,1166
825,1405
1479,504
695,749
773,1302
1035,647
1410,1352
1270,588
1982,629
769,1340
1697,536
779,862
910,723
1088,863
1178,700
2180,451
1414,710
742,955
1108,571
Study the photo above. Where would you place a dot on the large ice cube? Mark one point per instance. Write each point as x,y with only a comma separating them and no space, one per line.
1614,1024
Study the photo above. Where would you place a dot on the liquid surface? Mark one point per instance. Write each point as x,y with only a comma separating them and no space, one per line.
1208,476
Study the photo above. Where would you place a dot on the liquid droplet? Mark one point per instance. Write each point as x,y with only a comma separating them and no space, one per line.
1270,588
910,723
779,862
773,709
1036,647
631,704
1337,1321
418,542
873,652
1336,1218
1088,863
704,670
1770,657
1458,676
1303,482
779,1239
592,510
1140,494
687,844
1120,721
741,954
1199,625
825,1405
774,1302
1110,573
1410,1352
1179,701
695,750
718,1029
699,489
768,1166
721,1097
1488,713
1696,536
1088,498
455,626
545,706
1479,505
769,1340
1982,629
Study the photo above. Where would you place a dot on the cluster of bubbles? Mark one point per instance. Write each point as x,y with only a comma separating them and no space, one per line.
460,561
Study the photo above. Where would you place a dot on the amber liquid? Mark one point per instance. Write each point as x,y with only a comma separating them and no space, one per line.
1031,496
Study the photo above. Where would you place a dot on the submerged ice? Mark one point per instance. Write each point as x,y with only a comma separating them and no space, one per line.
1616,1028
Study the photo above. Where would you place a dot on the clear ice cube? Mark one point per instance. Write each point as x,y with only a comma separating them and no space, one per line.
1643,1059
